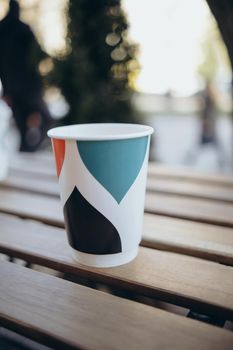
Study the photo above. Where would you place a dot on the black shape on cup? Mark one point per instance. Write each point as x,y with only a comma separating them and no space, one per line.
88,230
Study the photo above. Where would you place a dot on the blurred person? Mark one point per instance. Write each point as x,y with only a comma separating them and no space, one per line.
208,133
20,55
208,116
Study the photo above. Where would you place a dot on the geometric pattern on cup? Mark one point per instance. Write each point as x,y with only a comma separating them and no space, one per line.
59,153
115,164
88,230
124,216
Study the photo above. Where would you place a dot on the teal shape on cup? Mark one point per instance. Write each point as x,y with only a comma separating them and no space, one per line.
115,164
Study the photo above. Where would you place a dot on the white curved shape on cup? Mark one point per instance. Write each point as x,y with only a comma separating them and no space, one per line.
107,260
127,217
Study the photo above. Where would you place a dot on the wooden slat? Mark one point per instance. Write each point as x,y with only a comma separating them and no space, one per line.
26,182
34,206
68,316
191,238
190,189
188,174
34,168
187,237
182,280
44,157
190,209
10,340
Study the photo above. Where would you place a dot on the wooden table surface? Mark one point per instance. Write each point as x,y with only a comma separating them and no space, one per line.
176,294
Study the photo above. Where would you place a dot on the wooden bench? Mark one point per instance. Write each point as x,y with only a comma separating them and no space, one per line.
160,179
183,267
198,239
196,209
164,275
68,316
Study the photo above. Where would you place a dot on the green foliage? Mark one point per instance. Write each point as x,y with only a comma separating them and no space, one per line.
94,73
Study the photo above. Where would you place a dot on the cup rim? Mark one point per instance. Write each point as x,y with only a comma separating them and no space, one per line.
100,131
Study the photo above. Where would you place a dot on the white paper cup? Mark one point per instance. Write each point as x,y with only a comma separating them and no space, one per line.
102,171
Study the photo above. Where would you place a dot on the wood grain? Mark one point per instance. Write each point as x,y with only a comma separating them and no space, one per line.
68,316
35,184
188,174
43,157
190,189
179,279
187,237
33,206
33,166
190,209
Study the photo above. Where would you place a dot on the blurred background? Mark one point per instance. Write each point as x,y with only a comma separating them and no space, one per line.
162,63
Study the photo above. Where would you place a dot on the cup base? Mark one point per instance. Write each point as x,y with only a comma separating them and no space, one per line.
108,260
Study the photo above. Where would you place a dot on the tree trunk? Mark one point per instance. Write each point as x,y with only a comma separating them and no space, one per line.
223,13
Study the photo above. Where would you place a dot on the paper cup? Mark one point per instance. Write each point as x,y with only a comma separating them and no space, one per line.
102,170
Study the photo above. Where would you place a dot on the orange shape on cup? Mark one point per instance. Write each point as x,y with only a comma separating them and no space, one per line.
59,152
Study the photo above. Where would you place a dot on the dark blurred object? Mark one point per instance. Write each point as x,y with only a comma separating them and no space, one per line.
95,71
223,13
22,85
208,126
208,116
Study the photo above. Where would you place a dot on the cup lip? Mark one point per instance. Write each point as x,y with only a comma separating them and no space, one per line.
138,130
